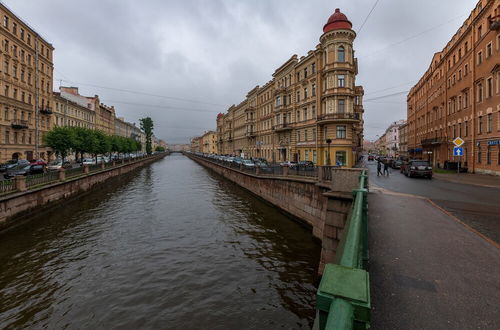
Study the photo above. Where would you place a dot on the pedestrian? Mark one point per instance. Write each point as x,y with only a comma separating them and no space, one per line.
386,168
379,168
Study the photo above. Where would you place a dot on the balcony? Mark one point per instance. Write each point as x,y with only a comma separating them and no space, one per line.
46,111
495,23
279,90
282,127
345,117
19,124
433,141
250,134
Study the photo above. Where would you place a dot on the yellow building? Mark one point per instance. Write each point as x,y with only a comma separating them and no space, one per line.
310,110
209,142
25,89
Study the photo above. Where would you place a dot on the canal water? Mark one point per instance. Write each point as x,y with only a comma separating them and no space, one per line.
170,246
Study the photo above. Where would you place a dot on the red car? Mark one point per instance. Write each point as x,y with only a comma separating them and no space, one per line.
38,162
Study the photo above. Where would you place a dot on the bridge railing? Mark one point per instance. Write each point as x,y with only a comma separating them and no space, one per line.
343,297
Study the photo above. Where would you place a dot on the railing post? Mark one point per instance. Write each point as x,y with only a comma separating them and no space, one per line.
114,163
257,170
103,165
20,182
61,174
85,169
241,167
320,173
285,170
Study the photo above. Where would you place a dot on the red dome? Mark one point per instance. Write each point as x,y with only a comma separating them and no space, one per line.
337,21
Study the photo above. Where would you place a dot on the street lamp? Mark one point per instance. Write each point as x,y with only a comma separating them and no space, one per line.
329,141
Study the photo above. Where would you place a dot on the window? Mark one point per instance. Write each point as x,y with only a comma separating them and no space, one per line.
479,92
6,66
14,71
305,72
14,28
459,129
29,39
7,136
313,90
340,158
6,46
6,91
489,87
313,111
466,46
6,22
305,93
479,57
466,99
341,130
489,124
479,154
459,74
341,54
488,155
341,104
341,80
298,96
488,50
313,67
466,69
479,31
480,125
22,34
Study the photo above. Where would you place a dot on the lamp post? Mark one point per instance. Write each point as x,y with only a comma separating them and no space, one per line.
329,141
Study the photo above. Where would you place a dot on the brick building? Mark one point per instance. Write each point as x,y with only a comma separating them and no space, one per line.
459,96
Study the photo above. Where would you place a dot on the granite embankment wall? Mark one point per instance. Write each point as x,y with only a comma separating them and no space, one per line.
323,206
14,207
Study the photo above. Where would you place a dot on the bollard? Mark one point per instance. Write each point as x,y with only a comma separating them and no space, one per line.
114,163
20,182
320,173
85,169
61,174
103,165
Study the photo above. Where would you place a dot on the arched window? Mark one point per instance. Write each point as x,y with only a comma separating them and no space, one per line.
341,54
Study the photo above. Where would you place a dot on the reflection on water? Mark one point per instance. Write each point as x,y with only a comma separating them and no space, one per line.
170,246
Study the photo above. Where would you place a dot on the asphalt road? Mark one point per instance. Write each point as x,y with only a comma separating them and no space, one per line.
476,206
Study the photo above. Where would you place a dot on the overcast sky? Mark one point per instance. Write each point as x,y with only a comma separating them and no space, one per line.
212,52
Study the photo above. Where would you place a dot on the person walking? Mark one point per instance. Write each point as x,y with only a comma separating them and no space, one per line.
379,168
386,168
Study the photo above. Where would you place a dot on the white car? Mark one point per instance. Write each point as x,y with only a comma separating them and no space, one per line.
54,165
88,161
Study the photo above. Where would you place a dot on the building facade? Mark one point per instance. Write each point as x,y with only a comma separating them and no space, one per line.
459,96
403,140
310,110
69,112
209,142
26,73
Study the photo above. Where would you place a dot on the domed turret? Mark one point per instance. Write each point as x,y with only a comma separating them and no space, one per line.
337,21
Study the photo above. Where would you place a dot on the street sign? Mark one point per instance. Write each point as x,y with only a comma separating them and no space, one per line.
458,141
457,151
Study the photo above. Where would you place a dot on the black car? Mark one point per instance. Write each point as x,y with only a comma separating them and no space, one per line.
417,167
24,170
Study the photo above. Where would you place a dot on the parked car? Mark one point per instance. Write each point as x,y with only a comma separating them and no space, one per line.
288,163
371,158
247,163
10,164
396,164
24,170
38,162
417,168
304,164
88,161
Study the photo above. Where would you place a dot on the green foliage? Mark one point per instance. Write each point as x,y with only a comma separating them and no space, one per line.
159,149
61,140
147,127
81,141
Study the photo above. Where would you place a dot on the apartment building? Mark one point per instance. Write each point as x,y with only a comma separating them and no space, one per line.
209,142
25,89
72,109
459,96
311,109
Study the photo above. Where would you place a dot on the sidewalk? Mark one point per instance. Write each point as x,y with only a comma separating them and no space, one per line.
485,180
427,270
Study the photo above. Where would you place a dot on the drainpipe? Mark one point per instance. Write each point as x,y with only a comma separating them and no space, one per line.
473,99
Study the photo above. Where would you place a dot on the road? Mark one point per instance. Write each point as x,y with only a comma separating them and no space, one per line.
476,206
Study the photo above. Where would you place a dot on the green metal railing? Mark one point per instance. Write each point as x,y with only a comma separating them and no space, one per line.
343,297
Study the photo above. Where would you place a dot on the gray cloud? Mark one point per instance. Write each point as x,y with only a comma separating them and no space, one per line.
216,51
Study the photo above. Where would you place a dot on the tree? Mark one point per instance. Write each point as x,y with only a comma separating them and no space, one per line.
147,127
160,149
61,140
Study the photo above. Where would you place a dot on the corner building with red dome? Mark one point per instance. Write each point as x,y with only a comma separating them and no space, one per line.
311,109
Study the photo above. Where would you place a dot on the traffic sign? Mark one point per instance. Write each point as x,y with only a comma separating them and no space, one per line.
458,141
457,151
